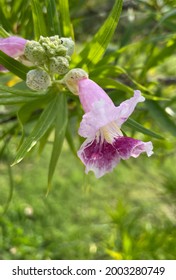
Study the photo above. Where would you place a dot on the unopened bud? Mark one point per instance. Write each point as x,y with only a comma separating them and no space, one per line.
72,77
59,65
38,79
53,46
35,53
69,44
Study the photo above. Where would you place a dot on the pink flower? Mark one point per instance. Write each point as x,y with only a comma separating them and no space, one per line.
105,145
12,46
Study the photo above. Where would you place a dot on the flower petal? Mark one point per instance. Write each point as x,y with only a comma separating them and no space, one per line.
126,108
90,92
103,112
130,147
12,46
100,115
101,158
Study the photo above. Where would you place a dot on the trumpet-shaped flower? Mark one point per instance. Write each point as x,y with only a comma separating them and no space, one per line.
12,46
105,145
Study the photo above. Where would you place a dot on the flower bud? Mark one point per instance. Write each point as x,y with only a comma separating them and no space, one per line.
35,53
59,65
38,79
69,44
72,77
53,46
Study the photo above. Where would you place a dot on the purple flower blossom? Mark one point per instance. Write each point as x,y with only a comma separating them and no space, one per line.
105,145
12,46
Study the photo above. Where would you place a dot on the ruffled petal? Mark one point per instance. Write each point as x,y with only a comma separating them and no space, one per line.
103,112
126,108
130,147
90,92
101,158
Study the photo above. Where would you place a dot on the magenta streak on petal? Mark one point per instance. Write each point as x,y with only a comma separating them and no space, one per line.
90,92
130,147
101,158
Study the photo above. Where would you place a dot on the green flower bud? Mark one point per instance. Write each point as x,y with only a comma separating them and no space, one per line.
53,46
38,79
72,77
59,65
35,53
69,44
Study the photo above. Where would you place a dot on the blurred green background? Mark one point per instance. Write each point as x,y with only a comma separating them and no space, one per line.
130,213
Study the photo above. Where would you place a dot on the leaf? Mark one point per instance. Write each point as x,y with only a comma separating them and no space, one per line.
69,138
3,33
110,83
113,71
44,140
7,99
53,23
66,28
156,58
138,127
95,49
13,65
60,128
158,113
170,13
38,19
4,19
15,91
44,122
28,111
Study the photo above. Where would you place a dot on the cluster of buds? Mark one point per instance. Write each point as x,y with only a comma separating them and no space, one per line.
51,55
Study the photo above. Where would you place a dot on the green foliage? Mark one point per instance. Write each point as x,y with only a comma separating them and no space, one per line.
38,19
14,66
78,220
130,46
94,50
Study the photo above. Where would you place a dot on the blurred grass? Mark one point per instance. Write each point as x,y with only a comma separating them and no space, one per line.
126,215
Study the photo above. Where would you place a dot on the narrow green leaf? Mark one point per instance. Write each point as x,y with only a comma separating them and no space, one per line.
156,58
15,91
66,27
60,128
170,13
94,50
13,65
103,70
138,127
27,109
44,140
113,71
44,122
29,112
52,17
7,99
110,83
158,113
38,19
70,140
3,33
4,19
